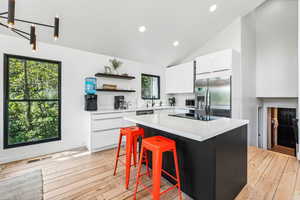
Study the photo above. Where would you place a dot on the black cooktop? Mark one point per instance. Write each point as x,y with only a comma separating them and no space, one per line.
194,117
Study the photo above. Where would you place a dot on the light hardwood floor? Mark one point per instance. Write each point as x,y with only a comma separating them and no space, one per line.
78,175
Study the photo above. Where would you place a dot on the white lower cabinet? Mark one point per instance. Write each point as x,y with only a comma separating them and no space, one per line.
102,139
107,124
105,130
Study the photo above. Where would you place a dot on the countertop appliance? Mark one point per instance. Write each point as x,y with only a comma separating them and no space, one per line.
90,94
144,112
91,102
190,102
213,95
194,116
119,102
172,101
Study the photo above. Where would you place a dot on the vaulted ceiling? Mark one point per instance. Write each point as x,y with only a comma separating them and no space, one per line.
111,26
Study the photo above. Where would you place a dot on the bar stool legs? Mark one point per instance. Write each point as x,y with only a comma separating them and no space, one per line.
129,144
143,158
118,154
132,134
158,145
157,165
177,173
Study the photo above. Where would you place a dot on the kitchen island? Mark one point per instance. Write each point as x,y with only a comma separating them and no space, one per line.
212,154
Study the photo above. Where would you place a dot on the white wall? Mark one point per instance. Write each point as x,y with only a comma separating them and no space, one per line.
229,38
249,100
76,65
277,49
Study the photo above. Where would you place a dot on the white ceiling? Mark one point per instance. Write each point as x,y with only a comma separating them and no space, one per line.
111,26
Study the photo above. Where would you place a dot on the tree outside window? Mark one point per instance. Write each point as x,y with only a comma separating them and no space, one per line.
150,86
32,100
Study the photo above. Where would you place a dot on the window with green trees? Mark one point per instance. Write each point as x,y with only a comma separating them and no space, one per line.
32,101
150,86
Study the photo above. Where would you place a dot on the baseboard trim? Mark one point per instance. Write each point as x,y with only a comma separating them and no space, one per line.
23,156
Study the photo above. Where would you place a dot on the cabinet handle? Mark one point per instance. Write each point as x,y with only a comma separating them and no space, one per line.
102,119
102,130
203,73
222,70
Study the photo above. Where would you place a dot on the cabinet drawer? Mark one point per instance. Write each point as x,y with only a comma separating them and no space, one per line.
103,139
181,111
106,116
106,124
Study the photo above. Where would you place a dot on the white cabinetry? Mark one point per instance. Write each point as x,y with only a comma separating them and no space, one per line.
221,60
180,78
170,80
105,129
203,64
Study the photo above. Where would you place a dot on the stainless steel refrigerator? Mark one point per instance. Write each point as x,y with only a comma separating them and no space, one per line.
213,94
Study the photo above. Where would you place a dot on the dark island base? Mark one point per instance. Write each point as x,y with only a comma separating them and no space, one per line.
215,169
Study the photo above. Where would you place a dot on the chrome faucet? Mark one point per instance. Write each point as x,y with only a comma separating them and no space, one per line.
152,101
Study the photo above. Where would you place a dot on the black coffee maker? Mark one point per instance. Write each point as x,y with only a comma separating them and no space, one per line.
119,102
91,102
172,101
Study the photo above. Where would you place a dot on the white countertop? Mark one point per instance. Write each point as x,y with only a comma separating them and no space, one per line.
189,128
111,110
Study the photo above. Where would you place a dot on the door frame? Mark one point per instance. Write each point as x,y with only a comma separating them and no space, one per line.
276,103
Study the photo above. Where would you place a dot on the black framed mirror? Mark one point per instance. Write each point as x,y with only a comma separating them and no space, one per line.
150,86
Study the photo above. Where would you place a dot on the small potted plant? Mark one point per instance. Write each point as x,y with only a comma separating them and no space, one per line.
115,64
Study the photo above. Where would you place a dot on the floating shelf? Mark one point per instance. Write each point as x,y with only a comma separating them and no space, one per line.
112,90
114,76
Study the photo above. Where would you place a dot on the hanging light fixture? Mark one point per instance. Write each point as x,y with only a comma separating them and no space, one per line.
11,13
31,36
56,28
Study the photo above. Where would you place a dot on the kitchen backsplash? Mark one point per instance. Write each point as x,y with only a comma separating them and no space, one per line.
106,100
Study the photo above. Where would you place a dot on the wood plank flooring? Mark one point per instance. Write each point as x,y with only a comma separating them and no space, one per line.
284,150
76,174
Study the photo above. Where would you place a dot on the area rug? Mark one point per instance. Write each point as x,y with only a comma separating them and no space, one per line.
28,186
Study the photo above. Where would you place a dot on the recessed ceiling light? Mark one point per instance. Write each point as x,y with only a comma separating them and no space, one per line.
142,29
175,43
213,8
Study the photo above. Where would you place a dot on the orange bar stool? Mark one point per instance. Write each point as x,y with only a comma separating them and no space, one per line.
158,145
132,134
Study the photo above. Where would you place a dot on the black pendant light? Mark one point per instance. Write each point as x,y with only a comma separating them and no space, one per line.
31,36
56,28
11,13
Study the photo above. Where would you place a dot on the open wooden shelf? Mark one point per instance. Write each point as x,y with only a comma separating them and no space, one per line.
112,90
114,76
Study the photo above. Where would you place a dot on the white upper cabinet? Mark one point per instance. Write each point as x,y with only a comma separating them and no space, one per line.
217,61
180,78
203,64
